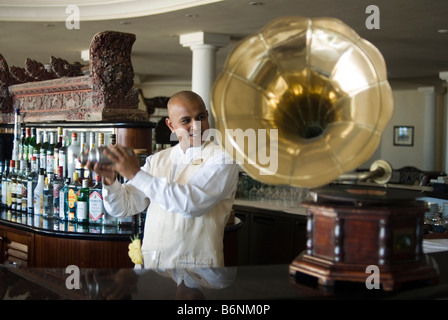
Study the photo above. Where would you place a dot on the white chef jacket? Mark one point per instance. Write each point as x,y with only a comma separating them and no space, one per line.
172,198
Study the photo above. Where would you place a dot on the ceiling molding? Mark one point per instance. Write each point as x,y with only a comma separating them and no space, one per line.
59,11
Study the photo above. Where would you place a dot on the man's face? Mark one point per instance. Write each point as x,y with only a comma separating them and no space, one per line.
188,120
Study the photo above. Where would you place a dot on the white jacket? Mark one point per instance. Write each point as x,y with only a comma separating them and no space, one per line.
189,196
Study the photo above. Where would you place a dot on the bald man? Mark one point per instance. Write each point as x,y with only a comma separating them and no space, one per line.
188,191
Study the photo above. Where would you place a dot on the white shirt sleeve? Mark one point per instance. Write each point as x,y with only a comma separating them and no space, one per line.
214,182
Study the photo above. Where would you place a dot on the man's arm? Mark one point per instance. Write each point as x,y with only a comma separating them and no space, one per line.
210,184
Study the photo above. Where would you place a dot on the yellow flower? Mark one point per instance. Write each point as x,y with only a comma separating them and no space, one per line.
135,252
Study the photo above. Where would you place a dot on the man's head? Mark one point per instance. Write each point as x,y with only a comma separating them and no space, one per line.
187,118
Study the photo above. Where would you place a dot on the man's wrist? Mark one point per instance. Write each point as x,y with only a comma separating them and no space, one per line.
108,181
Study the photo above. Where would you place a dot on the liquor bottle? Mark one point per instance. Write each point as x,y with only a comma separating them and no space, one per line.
26,143
1,177
32,143
56,148
63,154
72,154
82,148
36,149
113,138
31,184
22,144
5,184
17,133
43,151
91,175
100,139
58,184
39,193
92,140
14,182
9,184
72,197
48,196
82,206
24,177
50,153
19,189
96,205
63,202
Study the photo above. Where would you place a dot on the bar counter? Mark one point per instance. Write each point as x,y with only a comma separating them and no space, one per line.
267,282
73,230
38,242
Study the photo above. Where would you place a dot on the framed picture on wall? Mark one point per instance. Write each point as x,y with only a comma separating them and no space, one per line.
404,136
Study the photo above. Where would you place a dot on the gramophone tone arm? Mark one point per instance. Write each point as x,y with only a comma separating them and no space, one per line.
380,172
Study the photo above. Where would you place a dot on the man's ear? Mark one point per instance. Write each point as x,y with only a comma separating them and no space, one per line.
169,124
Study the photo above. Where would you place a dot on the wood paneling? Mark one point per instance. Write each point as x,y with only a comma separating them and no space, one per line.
61,252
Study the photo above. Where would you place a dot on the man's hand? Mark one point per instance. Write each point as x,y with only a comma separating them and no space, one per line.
126,164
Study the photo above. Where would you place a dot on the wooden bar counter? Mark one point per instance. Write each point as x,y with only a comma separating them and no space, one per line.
34,241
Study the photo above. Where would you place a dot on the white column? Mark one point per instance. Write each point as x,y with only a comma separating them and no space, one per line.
444,76
429,127
204,47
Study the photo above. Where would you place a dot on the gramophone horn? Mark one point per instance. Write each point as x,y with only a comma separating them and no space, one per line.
316,90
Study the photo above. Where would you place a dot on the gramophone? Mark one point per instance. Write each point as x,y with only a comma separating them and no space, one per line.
321,94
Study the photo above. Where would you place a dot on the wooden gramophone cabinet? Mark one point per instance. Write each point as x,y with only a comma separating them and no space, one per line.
344,238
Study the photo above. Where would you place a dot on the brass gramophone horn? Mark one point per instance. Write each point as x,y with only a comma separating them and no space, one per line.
316,90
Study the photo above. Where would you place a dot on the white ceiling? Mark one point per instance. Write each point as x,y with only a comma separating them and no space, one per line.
414,50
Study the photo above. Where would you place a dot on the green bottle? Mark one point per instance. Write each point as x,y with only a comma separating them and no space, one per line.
25,145
32,143
82,206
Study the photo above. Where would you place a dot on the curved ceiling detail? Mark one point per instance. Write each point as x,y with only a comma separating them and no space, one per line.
56,10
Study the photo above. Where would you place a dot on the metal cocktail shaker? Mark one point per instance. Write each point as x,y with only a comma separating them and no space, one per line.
96,155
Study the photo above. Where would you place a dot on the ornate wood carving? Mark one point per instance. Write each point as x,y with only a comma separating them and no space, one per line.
63,68
37,70
5,81
111,70
106,94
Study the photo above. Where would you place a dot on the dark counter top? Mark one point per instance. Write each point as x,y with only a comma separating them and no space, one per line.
57,228
266,282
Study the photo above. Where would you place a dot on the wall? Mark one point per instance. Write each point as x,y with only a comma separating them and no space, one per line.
408,111
163,89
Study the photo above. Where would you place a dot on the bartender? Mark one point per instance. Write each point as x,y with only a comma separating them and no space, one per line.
189,190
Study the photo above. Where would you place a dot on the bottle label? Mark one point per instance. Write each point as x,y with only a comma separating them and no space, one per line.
50,163
62,204
96,207
30,198
56,189
4,192
38,204
72,198
81,210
